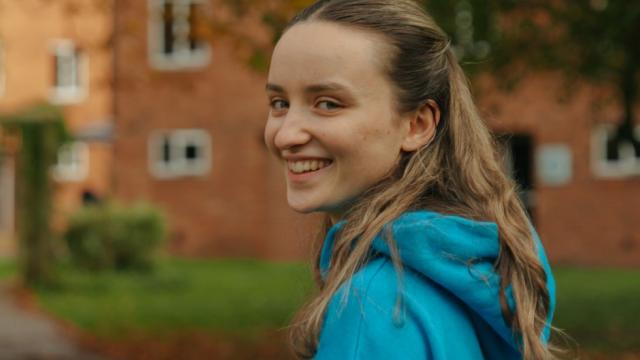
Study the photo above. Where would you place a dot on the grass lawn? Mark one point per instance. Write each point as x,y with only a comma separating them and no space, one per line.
598,308
228,296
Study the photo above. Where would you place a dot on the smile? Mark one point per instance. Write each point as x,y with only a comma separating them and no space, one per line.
300,167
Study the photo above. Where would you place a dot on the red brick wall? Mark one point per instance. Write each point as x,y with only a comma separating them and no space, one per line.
239,208
590,220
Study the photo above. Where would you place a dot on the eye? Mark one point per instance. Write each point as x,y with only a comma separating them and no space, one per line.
328,105
278,104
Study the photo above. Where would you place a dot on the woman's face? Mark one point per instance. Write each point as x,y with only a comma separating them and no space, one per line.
332,120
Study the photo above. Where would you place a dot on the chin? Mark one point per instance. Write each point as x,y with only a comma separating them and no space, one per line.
302,210
306,207
303,207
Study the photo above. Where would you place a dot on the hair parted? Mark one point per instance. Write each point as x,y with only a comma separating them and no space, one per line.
459,172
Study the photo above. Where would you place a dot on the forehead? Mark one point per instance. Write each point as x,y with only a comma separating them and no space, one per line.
320,51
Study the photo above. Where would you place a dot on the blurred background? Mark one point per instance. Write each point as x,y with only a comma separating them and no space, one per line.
141,216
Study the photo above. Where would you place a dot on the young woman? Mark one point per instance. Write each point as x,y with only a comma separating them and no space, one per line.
427,251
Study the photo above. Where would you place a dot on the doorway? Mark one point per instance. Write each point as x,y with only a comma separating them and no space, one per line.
518,148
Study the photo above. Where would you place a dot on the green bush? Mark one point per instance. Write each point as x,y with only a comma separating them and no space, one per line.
112,236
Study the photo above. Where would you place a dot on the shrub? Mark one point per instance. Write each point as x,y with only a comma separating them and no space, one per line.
112,236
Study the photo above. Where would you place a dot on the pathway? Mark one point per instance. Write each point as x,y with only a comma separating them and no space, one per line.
28,336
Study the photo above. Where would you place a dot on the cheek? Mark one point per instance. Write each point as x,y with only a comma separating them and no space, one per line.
380,150
270,130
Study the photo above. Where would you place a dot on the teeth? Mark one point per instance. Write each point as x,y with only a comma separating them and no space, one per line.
298,167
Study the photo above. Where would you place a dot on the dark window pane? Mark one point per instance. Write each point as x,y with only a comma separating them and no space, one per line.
192,152
612,150
194,23
167,22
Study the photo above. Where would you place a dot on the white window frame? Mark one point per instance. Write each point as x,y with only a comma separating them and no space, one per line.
78,91
183,57
178,165
3,70
628,165
73,162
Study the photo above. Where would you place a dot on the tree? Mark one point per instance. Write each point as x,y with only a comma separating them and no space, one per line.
594,40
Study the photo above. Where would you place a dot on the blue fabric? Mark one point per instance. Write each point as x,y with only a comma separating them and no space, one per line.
448,295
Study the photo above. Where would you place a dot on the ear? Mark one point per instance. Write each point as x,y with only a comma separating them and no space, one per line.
422,126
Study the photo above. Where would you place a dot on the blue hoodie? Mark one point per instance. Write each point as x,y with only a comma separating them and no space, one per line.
450,307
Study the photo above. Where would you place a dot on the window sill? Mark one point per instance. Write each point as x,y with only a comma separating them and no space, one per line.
193,61
68,176
67,96
164,174
616,171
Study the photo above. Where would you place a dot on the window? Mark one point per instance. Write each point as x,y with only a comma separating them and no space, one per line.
177,34
69,73
2,70
73,162
613,157
179,153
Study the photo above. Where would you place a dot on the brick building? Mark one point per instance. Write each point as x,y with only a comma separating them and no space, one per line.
59,52
188,113
584,200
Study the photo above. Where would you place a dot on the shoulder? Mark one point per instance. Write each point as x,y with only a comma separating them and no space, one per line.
364,319
359,321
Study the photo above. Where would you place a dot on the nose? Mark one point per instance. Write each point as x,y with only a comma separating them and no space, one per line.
292,132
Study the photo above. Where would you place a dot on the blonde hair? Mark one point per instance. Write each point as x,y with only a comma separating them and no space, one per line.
459,173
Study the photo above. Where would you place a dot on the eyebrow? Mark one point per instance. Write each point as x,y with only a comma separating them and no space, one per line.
274,88
311,89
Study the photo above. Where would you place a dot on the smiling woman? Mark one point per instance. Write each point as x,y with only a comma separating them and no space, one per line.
427,252
341,114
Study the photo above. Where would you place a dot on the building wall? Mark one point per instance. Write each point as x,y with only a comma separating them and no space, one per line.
236,209
29,30
589,219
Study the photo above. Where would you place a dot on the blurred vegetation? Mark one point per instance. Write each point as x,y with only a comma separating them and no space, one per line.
7,269
112,236
243,297
35,137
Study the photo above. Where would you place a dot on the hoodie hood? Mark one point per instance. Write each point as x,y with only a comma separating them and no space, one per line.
458,254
